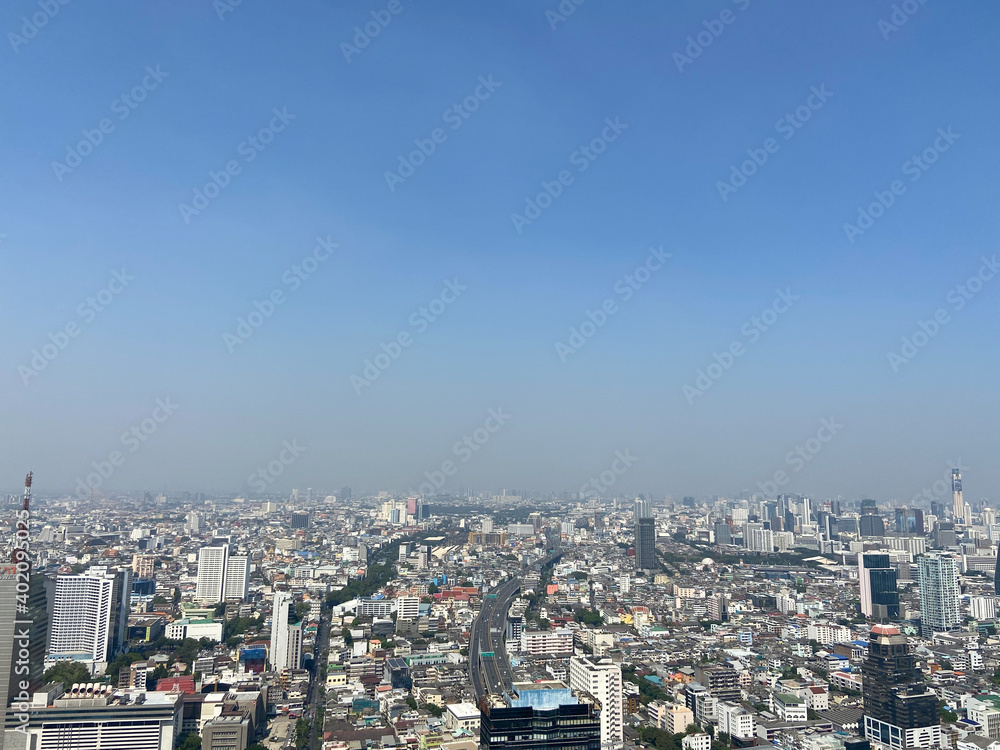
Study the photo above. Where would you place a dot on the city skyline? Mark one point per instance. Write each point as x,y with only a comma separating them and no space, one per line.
664,239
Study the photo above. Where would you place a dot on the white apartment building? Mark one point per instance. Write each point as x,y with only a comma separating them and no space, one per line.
985,712
790,707
699,741
982,607
547,642
407,607
286,638
463,716
89,615
221,575
237,579
602,679
734,720
827,634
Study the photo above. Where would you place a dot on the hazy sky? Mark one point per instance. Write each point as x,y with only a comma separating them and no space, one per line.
504,103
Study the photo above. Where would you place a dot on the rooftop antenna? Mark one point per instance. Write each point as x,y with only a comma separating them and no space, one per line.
21,555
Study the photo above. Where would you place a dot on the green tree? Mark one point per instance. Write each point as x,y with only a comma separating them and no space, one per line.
411,702
189,741
435,709
301,734
433,589
68,673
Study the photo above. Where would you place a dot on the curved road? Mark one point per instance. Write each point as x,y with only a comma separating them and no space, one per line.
489,634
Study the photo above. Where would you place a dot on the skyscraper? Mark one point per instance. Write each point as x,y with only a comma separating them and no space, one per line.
938,581
723,533
900,711
642,508
90,615
286,637
602,678
958,504
996,574
909,520
550,718
237,578
877,582
645,544
758,538
211,573
870,524
221,575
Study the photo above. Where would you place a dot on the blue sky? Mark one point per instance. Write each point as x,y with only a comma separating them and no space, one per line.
656,184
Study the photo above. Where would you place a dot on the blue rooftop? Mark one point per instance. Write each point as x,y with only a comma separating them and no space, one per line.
544,699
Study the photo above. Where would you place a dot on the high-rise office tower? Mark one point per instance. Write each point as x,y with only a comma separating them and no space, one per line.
90,615
541,719
286,636
900,710
877,581
939,591
344,494
909,520
602,678
723,533
806,511
957,503
23,621
642,508
996,574
758,538
221,575
645,544
871,525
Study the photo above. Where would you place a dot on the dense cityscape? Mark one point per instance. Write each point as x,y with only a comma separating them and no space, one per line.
507,620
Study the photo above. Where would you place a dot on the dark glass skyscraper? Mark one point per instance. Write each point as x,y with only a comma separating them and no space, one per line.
541,720
900,710
996,575
877,579
871,525
645,544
